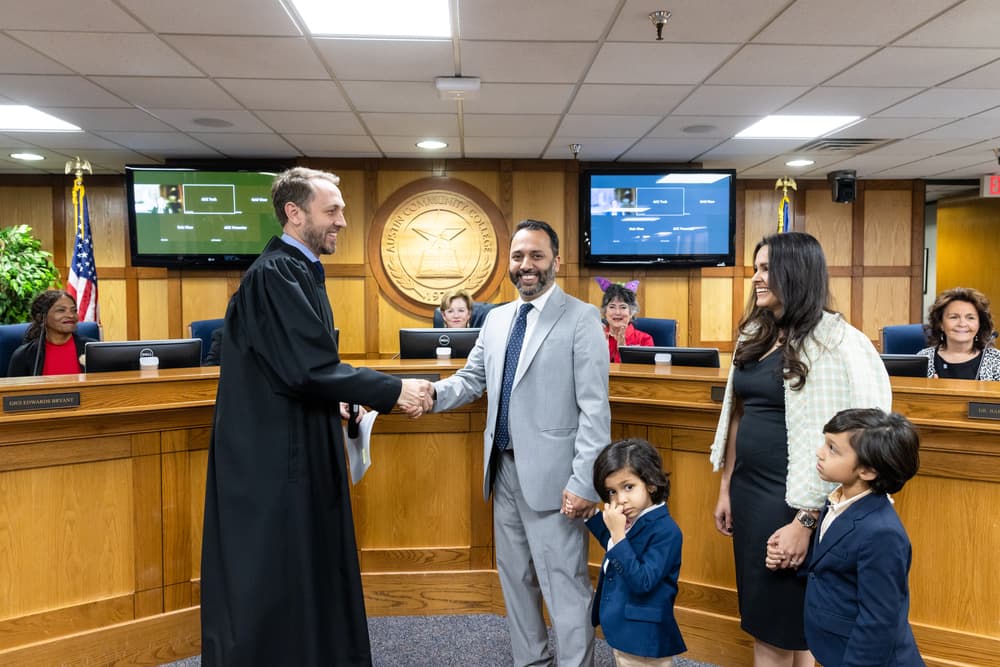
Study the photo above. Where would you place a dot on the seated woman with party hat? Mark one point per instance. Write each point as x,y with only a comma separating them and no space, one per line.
618,308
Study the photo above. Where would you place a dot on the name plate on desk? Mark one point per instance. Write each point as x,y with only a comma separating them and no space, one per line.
984,410
70,399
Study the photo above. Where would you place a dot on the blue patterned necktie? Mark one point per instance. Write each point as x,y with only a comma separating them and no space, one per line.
318,270
502,439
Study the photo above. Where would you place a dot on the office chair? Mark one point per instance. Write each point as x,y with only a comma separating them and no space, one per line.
12,336
903,339
663,331
203,329
479,310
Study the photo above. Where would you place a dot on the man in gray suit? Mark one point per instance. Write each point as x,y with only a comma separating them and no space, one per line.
542,436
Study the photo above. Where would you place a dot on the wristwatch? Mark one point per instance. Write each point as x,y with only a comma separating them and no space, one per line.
806,519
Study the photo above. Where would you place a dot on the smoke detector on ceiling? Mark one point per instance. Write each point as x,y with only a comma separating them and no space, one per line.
457,87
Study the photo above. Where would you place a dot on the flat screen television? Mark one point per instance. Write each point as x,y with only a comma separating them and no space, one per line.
707,357
123,355
198,218
658,217
423,343
906,365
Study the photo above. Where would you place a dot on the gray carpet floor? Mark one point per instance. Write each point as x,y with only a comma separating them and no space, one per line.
478,640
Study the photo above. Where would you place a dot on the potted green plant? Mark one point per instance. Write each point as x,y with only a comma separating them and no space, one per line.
25,270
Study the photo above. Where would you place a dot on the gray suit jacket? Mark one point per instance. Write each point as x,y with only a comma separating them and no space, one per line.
559,416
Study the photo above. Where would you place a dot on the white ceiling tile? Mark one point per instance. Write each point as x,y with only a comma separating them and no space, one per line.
945,103
847,100
248,145
381,60
638,99
848,21
695,20
394,146
921,148
970,171
65,140
977,127
970,23
526,62
116,160
763,148
125,120
124,54
329,145
312,122
590,149
396,97
273,94
530,19
887,128
250,57
778,65
56,91
608,127
184,120
777,165
521,97
738,100
153,142
509,125
61,15
411,124
168,93
659,62
514,147
929,168
987,77
897,66
218,17
708,127
669,150
17,58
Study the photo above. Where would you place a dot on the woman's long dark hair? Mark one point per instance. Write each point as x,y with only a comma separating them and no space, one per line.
40,307
799,280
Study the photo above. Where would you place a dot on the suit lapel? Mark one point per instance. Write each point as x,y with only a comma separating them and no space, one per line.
547,318
643,522
843,525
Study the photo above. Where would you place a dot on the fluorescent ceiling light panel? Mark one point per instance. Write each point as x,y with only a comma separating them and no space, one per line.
692,178
376,18
795,127
25,119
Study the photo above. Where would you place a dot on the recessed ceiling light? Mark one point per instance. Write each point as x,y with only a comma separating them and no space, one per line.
376,18
29,157
795,127
208,121
26,119
698,129
800,163
431,144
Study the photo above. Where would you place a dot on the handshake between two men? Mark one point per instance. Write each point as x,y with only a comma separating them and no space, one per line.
416,397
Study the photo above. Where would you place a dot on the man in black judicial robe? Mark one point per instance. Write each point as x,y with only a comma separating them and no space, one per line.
281,582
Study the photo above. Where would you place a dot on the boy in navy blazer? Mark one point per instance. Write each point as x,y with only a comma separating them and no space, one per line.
857,595
634,602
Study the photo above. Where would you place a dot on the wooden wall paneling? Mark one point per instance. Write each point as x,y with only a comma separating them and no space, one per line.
885,300
760,218
203,297
665,294
113,302
390,180
372,297
198,463
175,305
351,241
840,294
176,482
966,246
147,520
715,308
888,216
391,319
32,206
347,296
539,195
108,219
153,321
831,223
856,314
917,225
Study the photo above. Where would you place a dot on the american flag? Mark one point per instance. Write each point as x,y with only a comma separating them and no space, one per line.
82,272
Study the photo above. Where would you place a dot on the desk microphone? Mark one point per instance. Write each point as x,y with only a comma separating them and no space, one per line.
352,420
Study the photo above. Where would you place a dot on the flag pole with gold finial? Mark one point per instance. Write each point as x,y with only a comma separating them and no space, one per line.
82,281
785,205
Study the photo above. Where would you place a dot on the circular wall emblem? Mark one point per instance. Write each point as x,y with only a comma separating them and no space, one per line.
432,236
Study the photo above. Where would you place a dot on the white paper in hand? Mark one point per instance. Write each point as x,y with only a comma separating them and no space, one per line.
359,452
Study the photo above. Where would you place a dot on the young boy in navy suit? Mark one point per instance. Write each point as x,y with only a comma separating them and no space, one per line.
857,595
634,602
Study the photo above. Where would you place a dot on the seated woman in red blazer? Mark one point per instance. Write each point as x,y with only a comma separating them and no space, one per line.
618,307
51,344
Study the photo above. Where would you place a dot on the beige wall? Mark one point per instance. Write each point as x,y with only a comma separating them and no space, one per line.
873,247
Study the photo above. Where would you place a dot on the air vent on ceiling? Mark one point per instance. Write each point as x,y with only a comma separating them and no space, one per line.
844,145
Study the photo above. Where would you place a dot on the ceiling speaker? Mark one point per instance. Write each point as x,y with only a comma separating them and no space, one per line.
843,185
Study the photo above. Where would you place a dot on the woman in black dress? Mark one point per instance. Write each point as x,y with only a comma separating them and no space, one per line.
796,364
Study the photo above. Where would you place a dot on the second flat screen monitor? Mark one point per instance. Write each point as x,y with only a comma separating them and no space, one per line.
423,343
679,356
103,356
905,365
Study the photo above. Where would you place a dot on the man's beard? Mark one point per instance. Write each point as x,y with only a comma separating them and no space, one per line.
545,278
